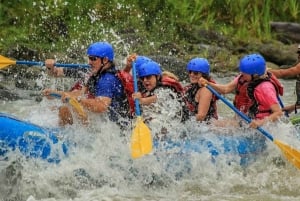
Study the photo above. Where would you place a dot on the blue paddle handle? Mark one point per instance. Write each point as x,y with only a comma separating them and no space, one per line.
55,95
136,101
245,117
282,106
33,63
30,63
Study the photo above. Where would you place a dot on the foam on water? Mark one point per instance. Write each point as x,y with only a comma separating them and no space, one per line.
99,166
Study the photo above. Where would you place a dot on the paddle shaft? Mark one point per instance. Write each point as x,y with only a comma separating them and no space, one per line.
55,95
282,106
32,63
141,138
245,117
58,96
136,101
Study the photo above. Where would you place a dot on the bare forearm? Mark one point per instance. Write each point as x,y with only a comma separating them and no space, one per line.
148,100
274,116
289,72
291,108
95,105
223,89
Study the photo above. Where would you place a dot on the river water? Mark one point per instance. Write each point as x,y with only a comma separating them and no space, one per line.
100,167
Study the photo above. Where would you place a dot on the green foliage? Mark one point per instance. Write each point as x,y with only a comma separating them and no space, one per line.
55,24
294,10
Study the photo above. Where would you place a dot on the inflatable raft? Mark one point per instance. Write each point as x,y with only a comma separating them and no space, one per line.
31,140
34,141
244,149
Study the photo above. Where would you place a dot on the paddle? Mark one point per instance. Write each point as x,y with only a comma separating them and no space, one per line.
4,62
141,138
282,106
290,153
78,107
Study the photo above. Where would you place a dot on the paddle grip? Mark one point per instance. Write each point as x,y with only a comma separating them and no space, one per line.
33,63
136,101
286,113
55,95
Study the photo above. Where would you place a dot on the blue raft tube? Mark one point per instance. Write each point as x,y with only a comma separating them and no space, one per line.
34,141
31,140
247,148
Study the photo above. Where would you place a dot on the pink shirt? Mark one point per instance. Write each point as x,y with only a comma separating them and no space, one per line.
265,95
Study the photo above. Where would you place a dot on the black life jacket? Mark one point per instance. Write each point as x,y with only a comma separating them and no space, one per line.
190,93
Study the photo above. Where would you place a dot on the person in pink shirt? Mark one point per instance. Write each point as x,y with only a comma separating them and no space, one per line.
264,99
256,91
261,89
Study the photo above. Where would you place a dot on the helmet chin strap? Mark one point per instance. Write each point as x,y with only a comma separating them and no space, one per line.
255,77
103,66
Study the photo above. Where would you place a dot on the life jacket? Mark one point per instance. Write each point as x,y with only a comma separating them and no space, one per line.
253,110
126,80
241,100
79,85
190,92
174,84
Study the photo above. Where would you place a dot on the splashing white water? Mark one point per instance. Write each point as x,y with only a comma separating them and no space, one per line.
99,165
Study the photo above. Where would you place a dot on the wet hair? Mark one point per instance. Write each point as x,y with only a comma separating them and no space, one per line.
206,76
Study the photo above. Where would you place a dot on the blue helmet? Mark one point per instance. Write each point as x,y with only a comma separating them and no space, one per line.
101,49
253,64
198,65
140,60
149,68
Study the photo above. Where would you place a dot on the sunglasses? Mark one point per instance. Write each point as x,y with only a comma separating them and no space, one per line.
93,58
194,72
146,77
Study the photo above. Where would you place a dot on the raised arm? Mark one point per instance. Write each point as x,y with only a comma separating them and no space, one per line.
289,72
221,88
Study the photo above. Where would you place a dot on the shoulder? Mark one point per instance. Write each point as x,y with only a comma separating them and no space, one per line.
265,87
109,80
122,74
266,93
203,91
109,77
266,84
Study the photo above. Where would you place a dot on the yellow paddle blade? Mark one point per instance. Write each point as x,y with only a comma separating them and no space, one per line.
141,139
78,107
4,62
290,153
